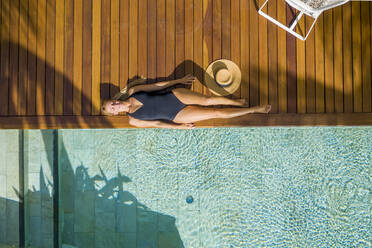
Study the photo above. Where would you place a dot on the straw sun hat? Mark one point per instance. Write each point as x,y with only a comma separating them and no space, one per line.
223,77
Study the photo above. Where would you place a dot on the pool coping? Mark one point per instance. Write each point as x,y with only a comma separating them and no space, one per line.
252,120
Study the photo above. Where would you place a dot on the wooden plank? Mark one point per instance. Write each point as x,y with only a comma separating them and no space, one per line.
160,39
124,42
226,28
263,59
31,58
142,38
59,65
370,22
13,60
68,58
170,38
180,39
50,55
96,56
198,46
87,58
338,77
133,38
366,56
239,31
357,57
272,36
217,32
310,67
41,57
253,55
114,71
151,40
252,120
22,73
282,59
208,49
328,62
319,64
78,57
291,66
189,37
4,69
301,60
105,49
348,58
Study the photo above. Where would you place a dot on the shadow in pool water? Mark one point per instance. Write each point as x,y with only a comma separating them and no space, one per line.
94,211
102,207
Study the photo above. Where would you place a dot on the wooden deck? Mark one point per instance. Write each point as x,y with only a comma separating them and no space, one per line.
57,66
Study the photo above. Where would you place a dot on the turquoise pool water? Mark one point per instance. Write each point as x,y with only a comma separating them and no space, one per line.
257,187
251,187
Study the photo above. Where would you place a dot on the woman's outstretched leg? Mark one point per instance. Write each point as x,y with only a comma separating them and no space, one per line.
189,97
192,114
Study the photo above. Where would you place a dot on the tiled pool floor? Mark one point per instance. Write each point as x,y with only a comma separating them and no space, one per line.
257,187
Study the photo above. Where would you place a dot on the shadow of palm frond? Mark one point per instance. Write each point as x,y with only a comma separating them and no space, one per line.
86,210
31,93
110,200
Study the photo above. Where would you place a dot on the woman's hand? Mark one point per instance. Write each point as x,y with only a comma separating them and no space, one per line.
188,79
186,126
139,79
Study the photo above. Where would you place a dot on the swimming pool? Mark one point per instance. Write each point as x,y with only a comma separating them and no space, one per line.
251,187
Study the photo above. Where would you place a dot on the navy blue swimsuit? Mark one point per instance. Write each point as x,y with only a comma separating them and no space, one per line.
157,106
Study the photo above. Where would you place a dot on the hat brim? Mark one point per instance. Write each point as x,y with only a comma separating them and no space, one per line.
213,86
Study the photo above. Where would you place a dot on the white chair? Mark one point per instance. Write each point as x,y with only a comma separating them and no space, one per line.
311,8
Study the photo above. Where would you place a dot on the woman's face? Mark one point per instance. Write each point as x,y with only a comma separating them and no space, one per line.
114,107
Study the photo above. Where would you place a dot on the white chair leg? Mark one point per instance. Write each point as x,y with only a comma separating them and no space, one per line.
298,17
312,25
286,28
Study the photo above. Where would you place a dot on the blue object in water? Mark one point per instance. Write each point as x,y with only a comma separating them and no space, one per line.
189,199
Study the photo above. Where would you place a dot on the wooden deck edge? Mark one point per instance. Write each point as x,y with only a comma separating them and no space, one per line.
254,120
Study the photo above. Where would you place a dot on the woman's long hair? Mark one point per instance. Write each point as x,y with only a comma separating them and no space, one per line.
123,94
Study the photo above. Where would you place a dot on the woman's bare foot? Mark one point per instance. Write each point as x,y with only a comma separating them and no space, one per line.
266,109
243,102
263,109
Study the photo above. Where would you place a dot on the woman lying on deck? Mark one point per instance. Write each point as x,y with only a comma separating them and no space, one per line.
178,108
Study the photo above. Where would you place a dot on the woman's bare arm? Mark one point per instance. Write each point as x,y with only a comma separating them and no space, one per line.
158,124
161,85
